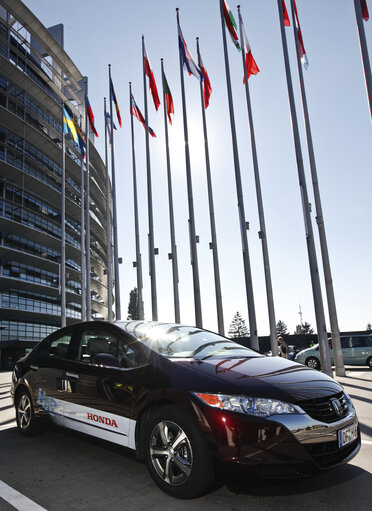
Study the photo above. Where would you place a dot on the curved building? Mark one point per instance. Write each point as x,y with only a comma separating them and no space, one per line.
36,78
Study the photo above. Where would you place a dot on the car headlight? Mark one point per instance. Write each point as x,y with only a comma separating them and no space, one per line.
257,406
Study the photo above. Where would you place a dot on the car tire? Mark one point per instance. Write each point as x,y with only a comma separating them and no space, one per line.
313,363
176,453
369,362
27,423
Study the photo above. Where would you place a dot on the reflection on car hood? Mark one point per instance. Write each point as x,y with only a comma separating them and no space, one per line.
271,377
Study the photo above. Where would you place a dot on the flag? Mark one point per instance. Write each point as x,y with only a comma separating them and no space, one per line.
287,23
207,83
152,83
137,113
113,98
187,59
168,99
231,24
303,55
250,63
365,13
69,127
108,126
91,117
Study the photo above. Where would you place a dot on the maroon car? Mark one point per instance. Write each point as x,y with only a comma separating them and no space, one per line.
194,405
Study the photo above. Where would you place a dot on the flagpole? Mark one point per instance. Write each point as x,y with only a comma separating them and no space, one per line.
114,215
108,227
193,251
173,254
364,51
336,341
314,271
261,215
82,238
239,191
138,263
63,229
213,245
154,302
87,210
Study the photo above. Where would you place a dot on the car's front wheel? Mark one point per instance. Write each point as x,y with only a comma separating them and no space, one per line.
27,423
313,363
176,454
369,362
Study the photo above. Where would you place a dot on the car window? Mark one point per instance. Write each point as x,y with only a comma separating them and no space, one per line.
57,347
102,347
357,342
368,341
345,342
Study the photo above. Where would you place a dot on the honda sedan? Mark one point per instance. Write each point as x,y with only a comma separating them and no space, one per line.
197,407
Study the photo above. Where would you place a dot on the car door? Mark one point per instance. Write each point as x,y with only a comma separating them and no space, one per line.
358,350
47,366
107,382
346,349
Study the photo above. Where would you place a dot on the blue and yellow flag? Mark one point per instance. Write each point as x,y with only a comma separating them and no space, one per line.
70,127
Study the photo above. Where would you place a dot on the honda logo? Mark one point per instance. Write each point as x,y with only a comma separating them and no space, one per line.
337,406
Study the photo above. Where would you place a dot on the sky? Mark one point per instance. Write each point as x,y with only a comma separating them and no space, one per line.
99,33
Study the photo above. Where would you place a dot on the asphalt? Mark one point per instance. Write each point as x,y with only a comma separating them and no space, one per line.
60,470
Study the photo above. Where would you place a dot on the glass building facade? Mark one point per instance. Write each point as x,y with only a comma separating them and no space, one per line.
36,77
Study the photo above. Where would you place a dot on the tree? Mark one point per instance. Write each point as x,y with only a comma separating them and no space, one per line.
305,328
133,304
369,327
281,328
238,327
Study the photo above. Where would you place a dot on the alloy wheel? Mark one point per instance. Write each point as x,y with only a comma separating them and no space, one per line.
24,412
171,453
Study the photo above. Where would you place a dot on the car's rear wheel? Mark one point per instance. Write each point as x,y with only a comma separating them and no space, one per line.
176,454
369,362
27,423
313,363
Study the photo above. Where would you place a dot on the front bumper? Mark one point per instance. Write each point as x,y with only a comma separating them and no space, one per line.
283,445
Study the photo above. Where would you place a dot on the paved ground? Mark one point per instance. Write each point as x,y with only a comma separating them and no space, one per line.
60,471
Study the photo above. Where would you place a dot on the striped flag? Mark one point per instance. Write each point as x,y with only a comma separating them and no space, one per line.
250,63
207,84
69,127
303,55
90,117
108,126
231,24
137,113
113,98
152,83
168,99
187,59
365,13
286,21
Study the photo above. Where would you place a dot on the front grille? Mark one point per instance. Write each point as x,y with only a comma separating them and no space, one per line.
328,454
322,410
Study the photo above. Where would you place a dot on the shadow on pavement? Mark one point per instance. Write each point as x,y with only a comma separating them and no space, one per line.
336,477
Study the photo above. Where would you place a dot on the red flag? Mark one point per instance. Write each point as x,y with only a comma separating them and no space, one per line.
287,23
138,114
207,83
365,13
250,63
91,117
152,83
303,55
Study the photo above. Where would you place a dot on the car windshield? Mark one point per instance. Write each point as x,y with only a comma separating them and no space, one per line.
176,341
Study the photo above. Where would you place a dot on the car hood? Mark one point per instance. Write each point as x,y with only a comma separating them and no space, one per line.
270,377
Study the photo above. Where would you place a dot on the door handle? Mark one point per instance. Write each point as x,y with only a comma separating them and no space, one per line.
72,375
34,367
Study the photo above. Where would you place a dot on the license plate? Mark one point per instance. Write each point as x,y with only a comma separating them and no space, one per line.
347,435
